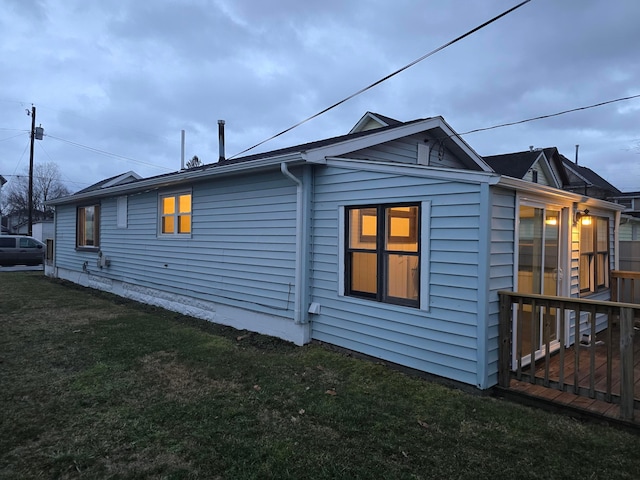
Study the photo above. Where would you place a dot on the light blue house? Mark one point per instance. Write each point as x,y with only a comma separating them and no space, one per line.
392,241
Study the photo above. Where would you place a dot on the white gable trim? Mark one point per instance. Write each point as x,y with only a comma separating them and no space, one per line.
319,154
121,179
440,173
545,166
366,118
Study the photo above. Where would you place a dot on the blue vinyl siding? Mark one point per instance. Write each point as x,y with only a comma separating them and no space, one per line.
501,274
405,150
440,340
241,251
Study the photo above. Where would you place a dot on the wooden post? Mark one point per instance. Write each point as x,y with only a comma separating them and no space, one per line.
614,287
504,368
626,364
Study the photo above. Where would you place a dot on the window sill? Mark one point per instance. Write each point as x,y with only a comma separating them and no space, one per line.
88,249
599,295
415,310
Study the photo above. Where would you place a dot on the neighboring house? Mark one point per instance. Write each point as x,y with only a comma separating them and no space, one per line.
584,181
536,165
42,230
630,201
389,241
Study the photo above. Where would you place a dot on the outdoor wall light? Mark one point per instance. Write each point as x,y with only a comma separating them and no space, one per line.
582,216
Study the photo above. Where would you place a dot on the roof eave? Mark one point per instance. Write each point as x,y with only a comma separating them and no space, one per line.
536,188
179,178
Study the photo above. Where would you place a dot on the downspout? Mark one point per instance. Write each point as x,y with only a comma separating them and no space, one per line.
297,307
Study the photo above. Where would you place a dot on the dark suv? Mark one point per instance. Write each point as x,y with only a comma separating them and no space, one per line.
19,250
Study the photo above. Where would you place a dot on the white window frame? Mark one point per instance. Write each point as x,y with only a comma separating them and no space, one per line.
425,256
122,212
175,215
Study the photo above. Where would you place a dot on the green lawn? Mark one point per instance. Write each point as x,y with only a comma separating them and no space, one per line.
93,386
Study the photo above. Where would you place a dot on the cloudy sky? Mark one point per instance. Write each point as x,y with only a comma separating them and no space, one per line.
115,81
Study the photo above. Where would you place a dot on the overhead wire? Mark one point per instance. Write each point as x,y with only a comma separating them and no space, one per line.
108,154
61,173
23,152
13,136
384,79
550,115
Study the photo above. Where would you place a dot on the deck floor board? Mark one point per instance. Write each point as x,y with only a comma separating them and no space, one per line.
595,406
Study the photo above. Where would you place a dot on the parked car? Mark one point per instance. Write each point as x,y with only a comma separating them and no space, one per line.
21,250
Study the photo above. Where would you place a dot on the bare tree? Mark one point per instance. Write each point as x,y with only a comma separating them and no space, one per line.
47,185
194,162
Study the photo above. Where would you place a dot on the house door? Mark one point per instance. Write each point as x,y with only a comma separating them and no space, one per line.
538,272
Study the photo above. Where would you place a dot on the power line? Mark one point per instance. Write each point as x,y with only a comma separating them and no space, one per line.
26,176
23,152
384,79
61,173
13,136
108,154
542,117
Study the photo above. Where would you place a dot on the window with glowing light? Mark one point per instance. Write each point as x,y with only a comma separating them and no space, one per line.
175,214
594,254
382,257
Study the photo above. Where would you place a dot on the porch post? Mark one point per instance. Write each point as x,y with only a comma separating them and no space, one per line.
504,365
626,363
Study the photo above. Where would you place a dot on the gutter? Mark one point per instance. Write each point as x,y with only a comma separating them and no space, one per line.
178,178
524,186
297,309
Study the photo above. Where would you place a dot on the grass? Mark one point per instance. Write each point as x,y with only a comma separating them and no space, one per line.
94,386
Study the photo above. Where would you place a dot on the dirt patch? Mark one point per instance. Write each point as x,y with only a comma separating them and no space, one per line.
179,382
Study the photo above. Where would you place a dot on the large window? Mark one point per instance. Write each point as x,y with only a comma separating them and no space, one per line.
175,214
382,260
88,227
594,254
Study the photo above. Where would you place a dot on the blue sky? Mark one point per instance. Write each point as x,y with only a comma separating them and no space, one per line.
123,77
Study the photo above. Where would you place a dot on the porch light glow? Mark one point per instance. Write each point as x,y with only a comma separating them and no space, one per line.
582,216
551,221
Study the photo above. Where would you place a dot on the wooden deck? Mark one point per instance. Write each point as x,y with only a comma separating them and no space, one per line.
589,395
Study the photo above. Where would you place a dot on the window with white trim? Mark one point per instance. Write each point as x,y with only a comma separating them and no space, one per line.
175,214
594,254
88,226
382,253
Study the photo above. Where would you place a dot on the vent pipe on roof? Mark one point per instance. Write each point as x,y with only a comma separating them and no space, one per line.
182,150
531,148
221,140
577,146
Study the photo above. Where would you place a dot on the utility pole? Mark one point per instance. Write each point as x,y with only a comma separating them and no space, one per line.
2,182
33,131
36,134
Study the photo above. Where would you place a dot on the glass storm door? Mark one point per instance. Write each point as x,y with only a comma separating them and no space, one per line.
538,272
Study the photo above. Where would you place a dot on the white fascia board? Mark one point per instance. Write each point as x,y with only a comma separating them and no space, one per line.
120,178
180,178
545,165
363,121
464,146
522,186
439,173
317,155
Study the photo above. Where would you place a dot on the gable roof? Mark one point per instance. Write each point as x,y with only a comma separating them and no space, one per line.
370,118
513,164
519,163
121,179
311,152
588,177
